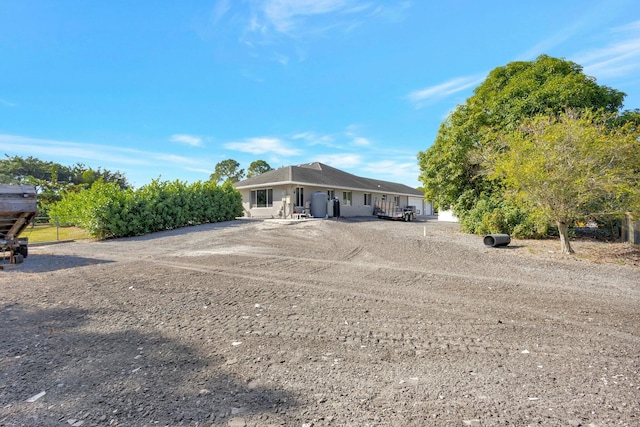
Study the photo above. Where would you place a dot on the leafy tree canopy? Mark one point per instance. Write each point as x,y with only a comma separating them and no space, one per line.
455,170
227,171
50,178
258,167
574,167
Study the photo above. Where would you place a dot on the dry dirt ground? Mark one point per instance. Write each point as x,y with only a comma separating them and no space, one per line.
359,322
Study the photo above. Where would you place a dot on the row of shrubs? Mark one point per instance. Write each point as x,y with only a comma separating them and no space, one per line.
105,210
494,214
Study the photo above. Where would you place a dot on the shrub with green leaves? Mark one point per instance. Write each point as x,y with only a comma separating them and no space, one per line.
494,214
107,211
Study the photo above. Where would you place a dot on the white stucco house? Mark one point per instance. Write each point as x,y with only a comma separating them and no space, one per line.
313,189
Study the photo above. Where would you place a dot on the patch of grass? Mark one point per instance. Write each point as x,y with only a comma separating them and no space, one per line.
48,233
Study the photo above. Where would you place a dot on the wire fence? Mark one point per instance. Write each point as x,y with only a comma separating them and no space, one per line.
53,229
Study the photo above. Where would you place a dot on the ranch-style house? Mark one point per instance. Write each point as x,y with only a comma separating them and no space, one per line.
317,190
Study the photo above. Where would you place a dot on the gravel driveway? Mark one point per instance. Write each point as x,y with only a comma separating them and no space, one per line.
359,322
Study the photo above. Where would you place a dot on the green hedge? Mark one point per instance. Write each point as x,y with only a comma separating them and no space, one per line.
106,211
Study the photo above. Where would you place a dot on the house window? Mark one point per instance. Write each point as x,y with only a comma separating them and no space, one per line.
396,200
346,198
331,194
262,198
299,196
367,199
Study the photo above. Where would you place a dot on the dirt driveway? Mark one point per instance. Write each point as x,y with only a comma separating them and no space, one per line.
317,323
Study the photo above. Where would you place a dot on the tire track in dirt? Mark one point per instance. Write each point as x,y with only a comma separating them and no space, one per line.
352,323
298,269
400,297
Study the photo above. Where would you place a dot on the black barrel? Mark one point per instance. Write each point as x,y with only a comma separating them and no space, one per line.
495,240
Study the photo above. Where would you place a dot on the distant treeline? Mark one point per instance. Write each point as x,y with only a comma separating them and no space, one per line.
52,179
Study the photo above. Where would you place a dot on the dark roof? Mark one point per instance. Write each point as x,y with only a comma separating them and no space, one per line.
320,175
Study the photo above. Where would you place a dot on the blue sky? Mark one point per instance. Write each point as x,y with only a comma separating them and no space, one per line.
167,89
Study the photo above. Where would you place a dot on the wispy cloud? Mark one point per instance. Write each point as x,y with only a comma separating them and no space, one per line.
619,58
392,11
390,165
282,30
581,25
334,140
219,10
67,152
23,145
356,139
396,170
275,21
286,15
312,138
199,170
7,103
431,94
342,160
361,141
174,159
194,141
551,42
263,145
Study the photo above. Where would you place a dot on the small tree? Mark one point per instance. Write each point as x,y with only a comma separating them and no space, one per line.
258,167
227,170
572,167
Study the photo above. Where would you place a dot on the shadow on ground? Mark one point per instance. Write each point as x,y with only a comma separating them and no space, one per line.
121,378
40,263
374,218
183,231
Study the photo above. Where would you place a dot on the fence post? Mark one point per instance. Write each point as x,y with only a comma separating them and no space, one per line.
630,229
57,229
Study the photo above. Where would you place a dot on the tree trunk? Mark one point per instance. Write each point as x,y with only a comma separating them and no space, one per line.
563,230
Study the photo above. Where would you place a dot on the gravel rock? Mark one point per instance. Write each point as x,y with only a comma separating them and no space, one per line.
339,323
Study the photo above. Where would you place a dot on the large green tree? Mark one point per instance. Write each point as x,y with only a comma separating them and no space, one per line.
570,168
227,171
455,169
51,179
258,167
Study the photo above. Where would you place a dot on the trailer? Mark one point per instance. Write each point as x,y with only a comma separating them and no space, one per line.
391,211
18,207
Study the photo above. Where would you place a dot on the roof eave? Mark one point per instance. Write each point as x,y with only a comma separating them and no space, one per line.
315,184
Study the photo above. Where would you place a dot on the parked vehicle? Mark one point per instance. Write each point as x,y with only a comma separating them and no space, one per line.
18,207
